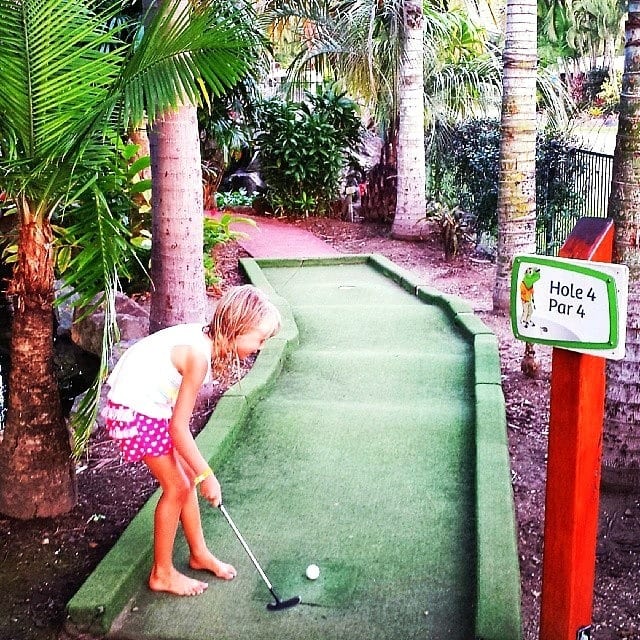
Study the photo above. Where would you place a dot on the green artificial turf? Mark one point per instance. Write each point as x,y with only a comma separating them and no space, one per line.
356,450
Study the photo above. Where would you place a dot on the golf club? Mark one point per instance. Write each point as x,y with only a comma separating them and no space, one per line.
272,606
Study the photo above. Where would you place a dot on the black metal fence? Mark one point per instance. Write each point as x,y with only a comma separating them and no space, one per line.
585,177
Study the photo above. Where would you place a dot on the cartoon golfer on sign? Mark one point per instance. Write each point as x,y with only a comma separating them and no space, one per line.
531,276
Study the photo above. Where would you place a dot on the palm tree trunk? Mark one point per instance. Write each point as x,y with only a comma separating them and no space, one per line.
411,199
177,269
378,203
621,446
517,173
37,473
177,266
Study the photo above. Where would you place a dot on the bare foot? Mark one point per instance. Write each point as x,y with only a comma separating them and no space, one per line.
176,582
208,562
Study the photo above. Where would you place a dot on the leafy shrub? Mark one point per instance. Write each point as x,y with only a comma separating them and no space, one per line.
464,173
218,231
228,199
558,205
464,170
304,147
608,98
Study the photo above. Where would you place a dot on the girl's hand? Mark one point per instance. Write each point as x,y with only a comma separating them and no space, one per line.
211,491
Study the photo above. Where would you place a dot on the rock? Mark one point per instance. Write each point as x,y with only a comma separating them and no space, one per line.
64,310
132,320
369,153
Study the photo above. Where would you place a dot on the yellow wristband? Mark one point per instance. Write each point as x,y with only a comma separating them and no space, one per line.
205,474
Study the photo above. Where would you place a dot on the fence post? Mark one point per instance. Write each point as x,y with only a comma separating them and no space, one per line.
573,467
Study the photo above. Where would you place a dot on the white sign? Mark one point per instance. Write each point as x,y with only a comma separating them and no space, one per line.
573,304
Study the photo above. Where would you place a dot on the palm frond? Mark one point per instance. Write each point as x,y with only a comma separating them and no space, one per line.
99,244
555,99
58,60
464,89
181,48
84,417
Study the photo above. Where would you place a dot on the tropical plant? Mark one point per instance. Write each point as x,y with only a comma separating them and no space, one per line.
304,147
608,98
231,199
216,232
464,170
580,39
555,31
70,85
597,31
456,229
226,127
363,43
464,173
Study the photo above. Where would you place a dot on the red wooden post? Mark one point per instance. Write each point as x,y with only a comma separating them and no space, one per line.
573,467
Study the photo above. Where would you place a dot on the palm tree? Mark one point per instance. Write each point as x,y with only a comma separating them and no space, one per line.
177,268
517,172
70,82
411,181
597,30
362,43
178,293
621,446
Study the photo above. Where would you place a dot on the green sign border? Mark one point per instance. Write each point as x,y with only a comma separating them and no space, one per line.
612,296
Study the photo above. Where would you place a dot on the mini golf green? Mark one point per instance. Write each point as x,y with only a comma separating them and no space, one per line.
370,439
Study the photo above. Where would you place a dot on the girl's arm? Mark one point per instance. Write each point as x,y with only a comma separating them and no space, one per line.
193,368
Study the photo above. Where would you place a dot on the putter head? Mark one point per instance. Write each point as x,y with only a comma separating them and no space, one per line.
284,604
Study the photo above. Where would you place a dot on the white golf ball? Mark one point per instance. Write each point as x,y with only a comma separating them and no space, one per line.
313,571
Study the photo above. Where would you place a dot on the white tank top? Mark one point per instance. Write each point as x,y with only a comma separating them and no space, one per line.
145,379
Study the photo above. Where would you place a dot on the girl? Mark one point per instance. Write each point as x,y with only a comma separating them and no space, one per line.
153,389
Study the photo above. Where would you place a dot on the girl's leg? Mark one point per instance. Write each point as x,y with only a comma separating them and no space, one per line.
200,557
176,490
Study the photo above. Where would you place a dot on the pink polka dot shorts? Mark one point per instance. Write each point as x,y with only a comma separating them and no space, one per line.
137,435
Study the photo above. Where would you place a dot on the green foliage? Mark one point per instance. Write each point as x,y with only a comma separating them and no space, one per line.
304,147
113,198
211,277
464,170
582,29
226,128
558,206
455,230
608,98
218,231
71,76
228,199
464,173
555,27
82,249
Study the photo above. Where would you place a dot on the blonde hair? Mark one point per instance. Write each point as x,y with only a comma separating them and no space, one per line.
239,310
